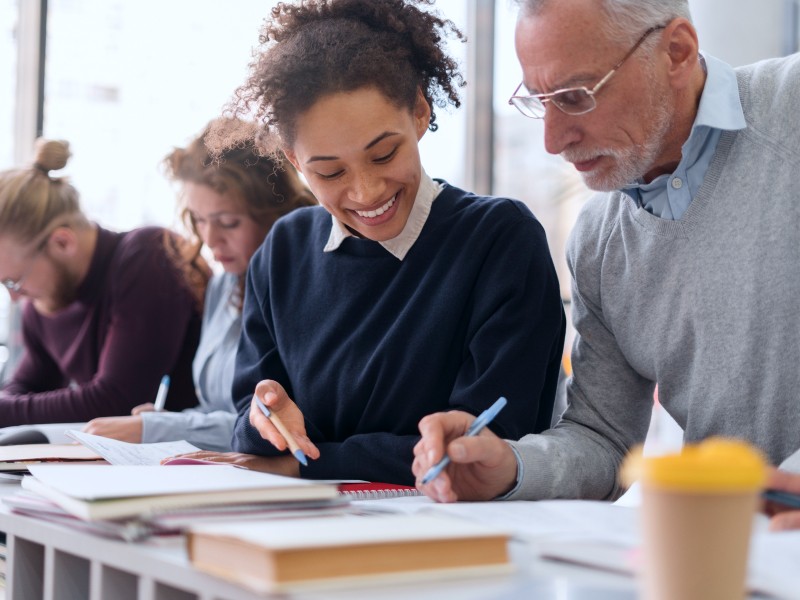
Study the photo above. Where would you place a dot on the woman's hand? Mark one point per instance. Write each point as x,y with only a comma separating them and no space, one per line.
275,398
146,407
278,465
125,429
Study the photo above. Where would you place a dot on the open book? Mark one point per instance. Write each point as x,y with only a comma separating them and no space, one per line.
116,491
273,555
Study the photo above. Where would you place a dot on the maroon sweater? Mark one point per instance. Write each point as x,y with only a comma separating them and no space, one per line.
133,320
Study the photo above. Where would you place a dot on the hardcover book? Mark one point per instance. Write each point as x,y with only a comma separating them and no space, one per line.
273,555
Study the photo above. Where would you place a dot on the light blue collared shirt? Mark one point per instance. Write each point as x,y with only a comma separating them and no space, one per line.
669,195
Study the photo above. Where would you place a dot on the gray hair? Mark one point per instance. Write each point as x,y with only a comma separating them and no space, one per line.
627,19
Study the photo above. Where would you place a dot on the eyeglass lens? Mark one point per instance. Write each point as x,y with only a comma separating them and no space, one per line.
573,101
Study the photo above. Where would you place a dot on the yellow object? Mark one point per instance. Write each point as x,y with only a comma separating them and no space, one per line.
566,364
716,465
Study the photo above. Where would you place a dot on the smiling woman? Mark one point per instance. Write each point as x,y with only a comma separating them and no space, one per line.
400,295
360,156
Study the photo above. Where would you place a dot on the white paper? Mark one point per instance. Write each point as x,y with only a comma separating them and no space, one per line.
98,482
125,453
349,530
532,521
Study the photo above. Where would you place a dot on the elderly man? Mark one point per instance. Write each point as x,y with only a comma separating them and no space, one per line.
686,271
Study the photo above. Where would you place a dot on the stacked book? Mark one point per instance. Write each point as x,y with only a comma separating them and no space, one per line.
266,532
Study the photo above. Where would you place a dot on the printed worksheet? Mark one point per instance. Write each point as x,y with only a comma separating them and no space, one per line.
125,453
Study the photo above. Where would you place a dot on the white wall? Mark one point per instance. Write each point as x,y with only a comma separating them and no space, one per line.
740,31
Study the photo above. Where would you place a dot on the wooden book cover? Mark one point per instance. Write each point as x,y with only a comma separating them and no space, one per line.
295,553
116,491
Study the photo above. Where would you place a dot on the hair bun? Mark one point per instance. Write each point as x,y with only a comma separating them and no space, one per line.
51,155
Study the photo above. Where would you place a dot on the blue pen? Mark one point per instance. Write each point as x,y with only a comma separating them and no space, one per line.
786,498
482,421
161,396
290,441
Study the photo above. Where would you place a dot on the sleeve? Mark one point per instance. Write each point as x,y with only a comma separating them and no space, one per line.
608,403
515,338
381,457
151,311
36,371
207,431
257,358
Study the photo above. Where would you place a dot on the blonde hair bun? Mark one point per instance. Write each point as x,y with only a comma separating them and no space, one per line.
51,155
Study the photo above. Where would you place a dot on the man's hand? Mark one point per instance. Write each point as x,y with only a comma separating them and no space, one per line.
481,468
783,517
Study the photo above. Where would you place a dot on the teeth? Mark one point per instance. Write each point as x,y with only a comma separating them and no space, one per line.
371,214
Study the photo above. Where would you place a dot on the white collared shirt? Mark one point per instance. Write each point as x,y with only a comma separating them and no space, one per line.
400,245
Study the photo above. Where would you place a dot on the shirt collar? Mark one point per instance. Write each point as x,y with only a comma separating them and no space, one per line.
720,105
720,108
400,245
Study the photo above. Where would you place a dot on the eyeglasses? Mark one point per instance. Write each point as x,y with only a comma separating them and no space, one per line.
574,100
15,285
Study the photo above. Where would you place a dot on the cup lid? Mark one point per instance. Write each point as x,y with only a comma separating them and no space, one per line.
715,465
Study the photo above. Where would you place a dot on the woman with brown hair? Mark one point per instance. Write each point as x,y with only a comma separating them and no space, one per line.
229,203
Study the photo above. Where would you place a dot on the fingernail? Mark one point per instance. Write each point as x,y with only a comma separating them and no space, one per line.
431,456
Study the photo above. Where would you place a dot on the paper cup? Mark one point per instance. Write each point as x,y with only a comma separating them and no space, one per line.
697,515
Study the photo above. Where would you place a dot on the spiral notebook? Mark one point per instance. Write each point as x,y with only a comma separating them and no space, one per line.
370,490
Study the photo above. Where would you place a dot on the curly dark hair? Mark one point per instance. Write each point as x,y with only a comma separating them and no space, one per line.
319,47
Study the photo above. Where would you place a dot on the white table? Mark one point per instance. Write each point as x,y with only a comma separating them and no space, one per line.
46,561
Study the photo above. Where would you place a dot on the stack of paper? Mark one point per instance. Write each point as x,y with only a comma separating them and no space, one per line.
95,492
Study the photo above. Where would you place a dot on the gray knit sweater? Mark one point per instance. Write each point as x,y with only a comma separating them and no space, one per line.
707,306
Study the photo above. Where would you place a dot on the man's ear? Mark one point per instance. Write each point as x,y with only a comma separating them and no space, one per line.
683,50
63,241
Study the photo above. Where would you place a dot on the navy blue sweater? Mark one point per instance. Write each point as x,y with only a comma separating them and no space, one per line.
367,345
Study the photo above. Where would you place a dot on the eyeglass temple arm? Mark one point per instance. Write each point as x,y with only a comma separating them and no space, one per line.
614,69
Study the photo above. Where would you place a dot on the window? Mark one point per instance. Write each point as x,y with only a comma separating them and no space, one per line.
128,81
551,187
8,75
148,77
